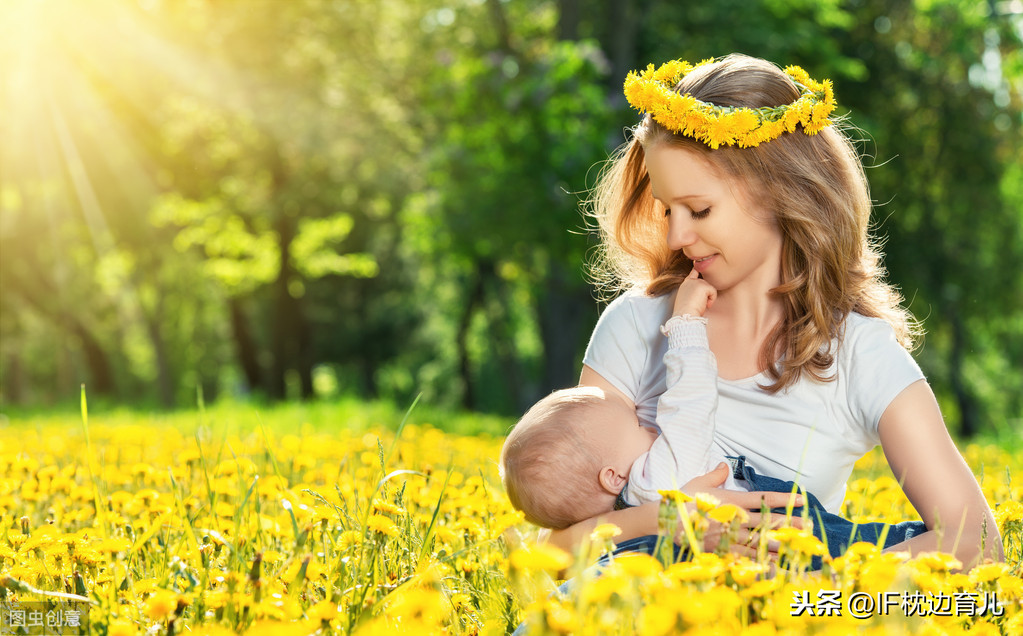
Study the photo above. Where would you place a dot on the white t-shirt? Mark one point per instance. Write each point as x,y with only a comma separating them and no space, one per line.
686,447
810,433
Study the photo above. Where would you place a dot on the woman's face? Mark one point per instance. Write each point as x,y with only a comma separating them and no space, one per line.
731,240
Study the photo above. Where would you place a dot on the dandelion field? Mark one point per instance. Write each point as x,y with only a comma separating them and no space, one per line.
224,523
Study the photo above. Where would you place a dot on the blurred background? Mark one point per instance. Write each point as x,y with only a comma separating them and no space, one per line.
297,199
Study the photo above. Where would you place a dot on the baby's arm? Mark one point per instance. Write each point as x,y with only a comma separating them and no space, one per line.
685,411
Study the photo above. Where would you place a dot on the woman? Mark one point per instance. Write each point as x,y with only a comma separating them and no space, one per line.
739,166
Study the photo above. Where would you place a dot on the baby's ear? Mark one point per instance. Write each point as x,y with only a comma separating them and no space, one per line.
612,480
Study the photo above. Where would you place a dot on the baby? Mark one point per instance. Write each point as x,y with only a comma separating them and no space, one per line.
579,452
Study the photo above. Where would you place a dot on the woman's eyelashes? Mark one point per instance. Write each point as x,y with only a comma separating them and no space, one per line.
696,215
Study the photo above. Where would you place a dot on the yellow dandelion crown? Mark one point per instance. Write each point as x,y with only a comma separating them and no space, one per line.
653,91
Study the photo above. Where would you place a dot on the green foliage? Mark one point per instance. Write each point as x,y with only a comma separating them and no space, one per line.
234,195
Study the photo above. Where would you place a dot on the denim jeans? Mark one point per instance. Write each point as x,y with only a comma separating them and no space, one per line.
836,532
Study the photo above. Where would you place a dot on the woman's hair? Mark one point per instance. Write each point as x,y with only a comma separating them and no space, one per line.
813,186
548,467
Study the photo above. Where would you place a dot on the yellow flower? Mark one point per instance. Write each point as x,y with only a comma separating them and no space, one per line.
161,604
671,71
382,525
540,557
323,611
674,496
706,607
705,502
420,604
278,628
386,507
761,588
1010,587
745,572
605,531
988,572
121,627
347,539
561,618
461,601
726,512
937,561
638,565
600,590
1008,513
652,91
877,575
704,567
657,620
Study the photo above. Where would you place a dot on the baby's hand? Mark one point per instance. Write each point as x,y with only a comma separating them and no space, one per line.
694,295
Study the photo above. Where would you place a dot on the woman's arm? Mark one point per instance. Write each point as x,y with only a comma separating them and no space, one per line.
936,480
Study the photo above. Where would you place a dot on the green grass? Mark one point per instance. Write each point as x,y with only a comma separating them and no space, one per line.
346,413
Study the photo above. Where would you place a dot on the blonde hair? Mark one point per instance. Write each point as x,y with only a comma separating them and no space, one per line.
814,187
548,466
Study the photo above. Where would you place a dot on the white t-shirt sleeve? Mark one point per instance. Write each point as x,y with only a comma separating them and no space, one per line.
617,350
685,415
878,369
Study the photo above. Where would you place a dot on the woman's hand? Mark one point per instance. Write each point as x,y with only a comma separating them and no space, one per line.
711,483
747,541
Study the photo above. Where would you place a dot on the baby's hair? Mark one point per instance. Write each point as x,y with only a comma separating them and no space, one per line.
548,467
812,184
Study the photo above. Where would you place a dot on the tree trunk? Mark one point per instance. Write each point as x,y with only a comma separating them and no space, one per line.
101,376
12,381
568,19
245,345
290,339
502,335
969,422
304,357
164,383
562,310
621,44
96,360
284,322
474,299
500,21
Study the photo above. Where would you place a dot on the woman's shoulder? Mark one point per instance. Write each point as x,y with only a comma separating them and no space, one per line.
624,347
869,342
859,330
635,306
638,297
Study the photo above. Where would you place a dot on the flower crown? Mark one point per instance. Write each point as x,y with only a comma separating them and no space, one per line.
653,91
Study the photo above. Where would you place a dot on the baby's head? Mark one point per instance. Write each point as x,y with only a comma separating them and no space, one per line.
569,456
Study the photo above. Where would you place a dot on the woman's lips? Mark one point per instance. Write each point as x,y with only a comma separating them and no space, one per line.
702,264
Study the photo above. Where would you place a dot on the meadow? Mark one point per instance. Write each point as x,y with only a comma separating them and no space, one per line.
359,519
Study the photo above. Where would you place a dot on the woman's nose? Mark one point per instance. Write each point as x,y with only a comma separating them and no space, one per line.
680,231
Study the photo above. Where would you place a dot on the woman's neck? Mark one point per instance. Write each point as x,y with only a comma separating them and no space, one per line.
740,320
748,314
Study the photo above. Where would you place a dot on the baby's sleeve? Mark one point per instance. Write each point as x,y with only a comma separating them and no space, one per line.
685,415
617,349
879,369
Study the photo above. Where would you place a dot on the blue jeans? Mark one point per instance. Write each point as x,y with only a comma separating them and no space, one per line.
836,532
